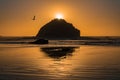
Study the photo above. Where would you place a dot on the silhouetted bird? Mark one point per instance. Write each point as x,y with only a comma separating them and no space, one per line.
34,18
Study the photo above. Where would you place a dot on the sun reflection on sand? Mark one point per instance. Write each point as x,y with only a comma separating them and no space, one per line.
31,62
57,67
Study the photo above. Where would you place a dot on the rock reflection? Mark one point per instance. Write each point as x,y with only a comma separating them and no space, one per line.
58,52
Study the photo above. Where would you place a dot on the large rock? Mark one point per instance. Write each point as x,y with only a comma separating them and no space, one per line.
58,29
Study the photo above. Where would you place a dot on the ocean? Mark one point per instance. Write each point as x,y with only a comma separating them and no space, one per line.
59,60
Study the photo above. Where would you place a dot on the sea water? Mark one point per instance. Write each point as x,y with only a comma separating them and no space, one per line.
59,62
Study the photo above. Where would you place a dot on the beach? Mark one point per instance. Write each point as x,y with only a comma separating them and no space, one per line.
59,61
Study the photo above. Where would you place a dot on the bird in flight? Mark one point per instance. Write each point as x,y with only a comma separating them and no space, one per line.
34,18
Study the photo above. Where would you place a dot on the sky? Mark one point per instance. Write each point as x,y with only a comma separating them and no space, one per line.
91,17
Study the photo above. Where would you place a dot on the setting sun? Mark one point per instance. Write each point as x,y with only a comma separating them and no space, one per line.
59,16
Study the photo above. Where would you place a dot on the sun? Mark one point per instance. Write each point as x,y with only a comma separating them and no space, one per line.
59,16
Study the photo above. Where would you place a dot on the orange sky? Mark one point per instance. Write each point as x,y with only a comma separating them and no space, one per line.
92,17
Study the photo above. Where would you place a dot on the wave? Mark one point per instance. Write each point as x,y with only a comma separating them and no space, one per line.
113,40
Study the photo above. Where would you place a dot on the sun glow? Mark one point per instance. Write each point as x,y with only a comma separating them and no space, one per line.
59,16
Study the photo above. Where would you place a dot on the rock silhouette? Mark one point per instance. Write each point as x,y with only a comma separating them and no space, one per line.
58,29
40,41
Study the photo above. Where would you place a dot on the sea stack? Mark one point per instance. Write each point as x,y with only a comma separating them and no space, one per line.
58,29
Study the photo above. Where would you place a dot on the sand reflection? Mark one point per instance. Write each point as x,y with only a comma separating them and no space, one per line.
58,52
60,64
